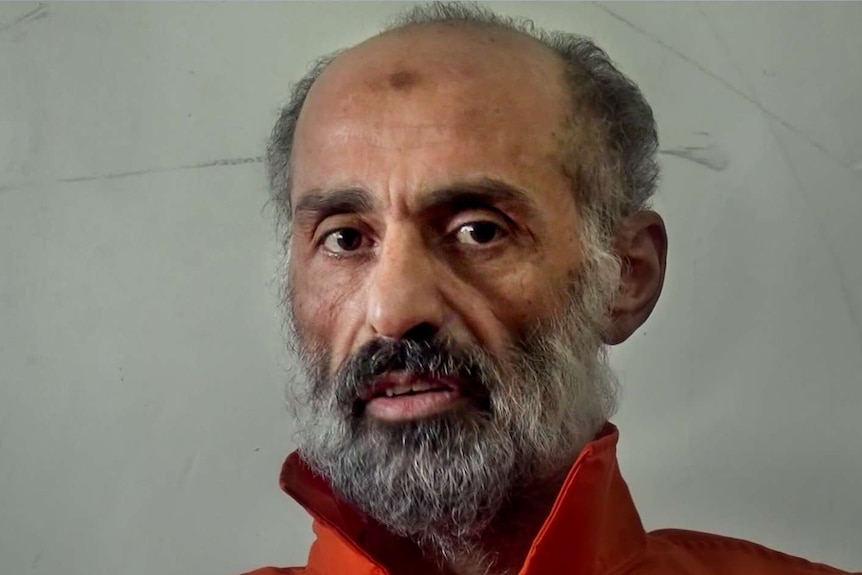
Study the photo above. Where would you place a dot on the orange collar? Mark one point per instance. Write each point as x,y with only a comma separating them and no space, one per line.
593,527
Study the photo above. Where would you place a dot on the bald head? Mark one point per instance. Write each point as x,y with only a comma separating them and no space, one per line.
482,94
402,59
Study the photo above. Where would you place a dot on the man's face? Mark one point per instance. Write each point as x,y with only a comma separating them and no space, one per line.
468,223
437,272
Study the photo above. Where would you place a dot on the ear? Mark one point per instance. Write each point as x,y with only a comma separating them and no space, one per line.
641,244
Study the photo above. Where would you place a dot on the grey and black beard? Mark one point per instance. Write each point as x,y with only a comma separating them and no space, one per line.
442,480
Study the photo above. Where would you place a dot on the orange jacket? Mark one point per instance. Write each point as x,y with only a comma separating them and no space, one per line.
593,529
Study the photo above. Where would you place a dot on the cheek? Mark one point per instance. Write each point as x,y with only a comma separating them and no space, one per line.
508,304
539,290
527,300
326,308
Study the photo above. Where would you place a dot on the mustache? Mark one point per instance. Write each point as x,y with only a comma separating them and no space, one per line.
436,358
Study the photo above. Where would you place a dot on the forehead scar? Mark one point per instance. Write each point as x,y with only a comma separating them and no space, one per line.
403,80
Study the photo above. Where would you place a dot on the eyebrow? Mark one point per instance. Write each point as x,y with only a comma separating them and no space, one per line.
321,204
477,193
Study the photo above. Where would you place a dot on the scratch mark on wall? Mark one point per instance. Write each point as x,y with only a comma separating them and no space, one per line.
35,562
188,473
820,226
132,173
37,13
711,157
116,175
738,91
678,53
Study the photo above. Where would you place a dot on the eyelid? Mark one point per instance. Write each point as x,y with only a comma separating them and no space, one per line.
477,215
338,222
505,233
335,222
366,244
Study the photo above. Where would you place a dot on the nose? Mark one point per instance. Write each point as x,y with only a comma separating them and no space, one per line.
404,300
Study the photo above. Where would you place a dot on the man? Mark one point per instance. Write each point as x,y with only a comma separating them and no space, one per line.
466,210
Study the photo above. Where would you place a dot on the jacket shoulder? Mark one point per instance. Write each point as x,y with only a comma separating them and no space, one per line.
707,554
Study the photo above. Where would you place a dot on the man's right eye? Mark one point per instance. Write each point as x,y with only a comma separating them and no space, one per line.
342,240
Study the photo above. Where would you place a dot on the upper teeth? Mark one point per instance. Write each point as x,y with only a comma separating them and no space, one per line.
407,388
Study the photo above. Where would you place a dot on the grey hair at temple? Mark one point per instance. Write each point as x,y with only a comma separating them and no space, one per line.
609,151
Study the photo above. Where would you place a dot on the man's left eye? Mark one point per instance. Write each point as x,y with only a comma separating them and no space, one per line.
479,233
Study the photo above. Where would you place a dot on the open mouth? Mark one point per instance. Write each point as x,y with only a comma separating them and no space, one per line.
404,397
414,387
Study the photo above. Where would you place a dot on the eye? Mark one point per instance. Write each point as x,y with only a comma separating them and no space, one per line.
479,233
343,240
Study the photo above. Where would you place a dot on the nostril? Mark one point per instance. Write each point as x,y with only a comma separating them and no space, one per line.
422,332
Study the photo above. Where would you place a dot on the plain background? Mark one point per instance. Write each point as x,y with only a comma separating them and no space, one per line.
142,424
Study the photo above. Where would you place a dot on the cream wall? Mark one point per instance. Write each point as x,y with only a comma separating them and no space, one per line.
141,368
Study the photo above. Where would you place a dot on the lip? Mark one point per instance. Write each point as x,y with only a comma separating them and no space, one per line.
445,394
417,406
402,379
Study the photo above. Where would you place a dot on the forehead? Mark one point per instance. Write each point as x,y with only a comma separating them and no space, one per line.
436,102
403,58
